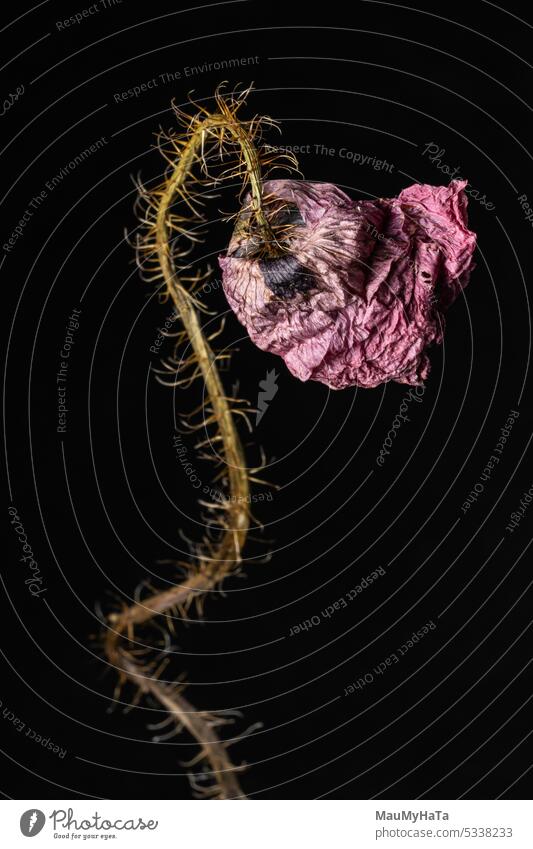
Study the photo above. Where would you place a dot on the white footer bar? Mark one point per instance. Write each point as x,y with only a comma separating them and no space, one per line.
278,824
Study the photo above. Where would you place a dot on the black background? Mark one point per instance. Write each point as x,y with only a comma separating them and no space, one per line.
103,504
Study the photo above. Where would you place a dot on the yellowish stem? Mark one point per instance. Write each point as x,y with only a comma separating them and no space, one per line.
225,556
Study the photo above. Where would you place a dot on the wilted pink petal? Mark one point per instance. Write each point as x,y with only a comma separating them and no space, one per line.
361,294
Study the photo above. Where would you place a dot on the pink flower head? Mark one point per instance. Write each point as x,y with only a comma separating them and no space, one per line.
360,295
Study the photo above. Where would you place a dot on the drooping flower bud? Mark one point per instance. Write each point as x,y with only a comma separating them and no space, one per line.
360,290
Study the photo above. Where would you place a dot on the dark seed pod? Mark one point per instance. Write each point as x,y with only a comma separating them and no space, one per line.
285,276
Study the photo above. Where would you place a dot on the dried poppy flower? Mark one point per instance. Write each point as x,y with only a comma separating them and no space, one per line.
360,290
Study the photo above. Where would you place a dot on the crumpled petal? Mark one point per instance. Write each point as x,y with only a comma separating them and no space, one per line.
362,293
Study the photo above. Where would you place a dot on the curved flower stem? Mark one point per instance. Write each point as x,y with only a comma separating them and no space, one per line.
218,559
